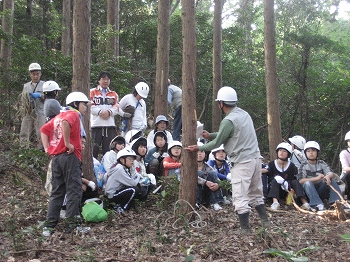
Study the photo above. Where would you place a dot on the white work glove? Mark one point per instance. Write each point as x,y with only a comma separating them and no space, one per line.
165,155
298,153
127,115
279,180
152,178
92,185
285,186
156,154
229,177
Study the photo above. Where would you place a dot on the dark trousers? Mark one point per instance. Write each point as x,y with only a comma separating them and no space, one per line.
66,179
277,192
204,194
101,136
177,124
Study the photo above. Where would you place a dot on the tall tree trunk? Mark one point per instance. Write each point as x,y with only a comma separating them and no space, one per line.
217,62
162,64
189,170
272,92
5,56
81,70
7,27
245,20
113,21
66,27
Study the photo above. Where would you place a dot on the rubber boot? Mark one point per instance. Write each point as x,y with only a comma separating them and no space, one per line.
263,215
244,221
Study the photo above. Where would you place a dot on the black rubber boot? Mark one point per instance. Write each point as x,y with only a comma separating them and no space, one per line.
263,215
244,221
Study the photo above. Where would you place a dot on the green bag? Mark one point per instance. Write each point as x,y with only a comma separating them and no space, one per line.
93,212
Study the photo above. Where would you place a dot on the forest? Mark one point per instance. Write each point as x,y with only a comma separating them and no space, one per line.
312,61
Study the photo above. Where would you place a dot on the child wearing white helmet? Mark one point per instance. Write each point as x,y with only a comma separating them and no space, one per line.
161,124
344,158
172,163
282,174
137,102
297,156
208,189
315,176
51,106
219,163
66,161
123,185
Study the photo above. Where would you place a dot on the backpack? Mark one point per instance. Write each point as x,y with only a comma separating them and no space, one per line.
100,176
93,212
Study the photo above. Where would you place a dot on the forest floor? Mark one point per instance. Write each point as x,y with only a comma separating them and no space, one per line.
151,232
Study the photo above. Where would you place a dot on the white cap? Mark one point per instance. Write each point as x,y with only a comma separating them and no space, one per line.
34,67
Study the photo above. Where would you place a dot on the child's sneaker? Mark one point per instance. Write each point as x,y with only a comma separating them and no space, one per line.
47,232
226,201
83,230
216,207
119,210
275,206
320,207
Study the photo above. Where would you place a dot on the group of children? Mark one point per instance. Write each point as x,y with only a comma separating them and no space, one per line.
298,168
134,163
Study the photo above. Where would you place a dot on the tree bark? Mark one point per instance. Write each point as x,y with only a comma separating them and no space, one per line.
217,63
7,27
189,170
162,63
272,91
81,70
66,27
113,21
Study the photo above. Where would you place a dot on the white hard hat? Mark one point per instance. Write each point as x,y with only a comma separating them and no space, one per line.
299,141
174,143
34,67
226,94
199,143
142,89
131,135
50,86
285,146
76,97
213,151
161,118
312,144
125,152
347,136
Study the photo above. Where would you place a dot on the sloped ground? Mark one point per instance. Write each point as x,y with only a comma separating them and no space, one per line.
150,232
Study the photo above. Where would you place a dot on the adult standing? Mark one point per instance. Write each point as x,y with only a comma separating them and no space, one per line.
175,102
134,106
32,100
238,135
104,106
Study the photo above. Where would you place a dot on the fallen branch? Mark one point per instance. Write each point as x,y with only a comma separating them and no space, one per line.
37,250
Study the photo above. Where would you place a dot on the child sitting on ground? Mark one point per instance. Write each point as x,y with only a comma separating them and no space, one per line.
172,163
155,155
123,186
208,189
315,176
283,177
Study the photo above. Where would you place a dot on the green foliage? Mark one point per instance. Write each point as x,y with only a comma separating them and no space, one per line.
31,159
290,255
169,193
345,237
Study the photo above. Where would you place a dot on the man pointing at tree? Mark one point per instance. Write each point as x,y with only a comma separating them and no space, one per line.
238,135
